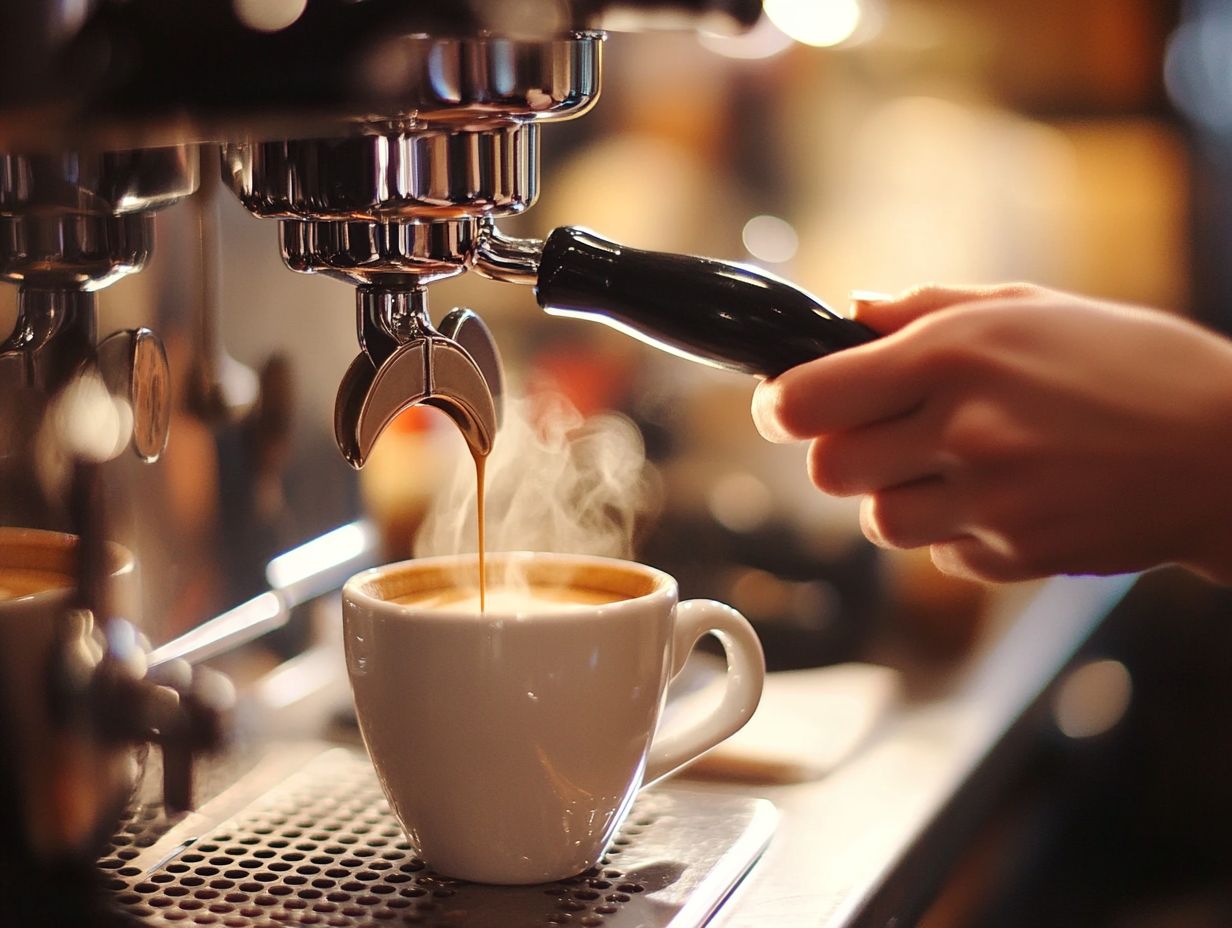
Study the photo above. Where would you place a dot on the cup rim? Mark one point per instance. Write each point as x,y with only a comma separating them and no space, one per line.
359,588
46,549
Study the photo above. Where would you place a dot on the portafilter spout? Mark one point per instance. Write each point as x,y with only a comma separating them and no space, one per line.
406,361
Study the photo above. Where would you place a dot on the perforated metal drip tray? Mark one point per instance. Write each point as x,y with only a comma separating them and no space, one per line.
320,847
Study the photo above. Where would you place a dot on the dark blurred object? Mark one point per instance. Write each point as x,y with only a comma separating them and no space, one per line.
1197,72
71,733
809,611
936,618
1056,58
1125,827
151,66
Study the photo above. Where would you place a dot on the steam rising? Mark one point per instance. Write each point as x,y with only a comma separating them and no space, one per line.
556,481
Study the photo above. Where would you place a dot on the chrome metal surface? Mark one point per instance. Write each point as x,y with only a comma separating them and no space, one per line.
479,82
421,174
387,317
72,223
512,260
55,333
433,371
321,847
472,334
295,577
414,253
246,622
405,361
60,252
457,387
107,183
396,203
40,314
133,364
81,220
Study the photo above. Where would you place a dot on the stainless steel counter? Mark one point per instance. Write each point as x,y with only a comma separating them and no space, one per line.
865,844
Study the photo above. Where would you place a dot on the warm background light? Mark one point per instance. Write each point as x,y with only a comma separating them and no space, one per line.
764,40
269,15
815,22
1092,699
770,239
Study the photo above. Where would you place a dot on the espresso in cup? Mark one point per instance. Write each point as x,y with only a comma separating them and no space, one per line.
511,742
515,599
16,582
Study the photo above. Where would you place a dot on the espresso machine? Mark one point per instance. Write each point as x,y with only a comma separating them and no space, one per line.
387,139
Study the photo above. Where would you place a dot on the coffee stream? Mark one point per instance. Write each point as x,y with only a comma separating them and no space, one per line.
481,466
555,481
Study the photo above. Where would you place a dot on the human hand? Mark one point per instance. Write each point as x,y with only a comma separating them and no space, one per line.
1021,432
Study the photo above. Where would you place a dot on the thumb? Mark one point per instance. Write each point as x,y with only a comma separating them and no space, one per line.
889,314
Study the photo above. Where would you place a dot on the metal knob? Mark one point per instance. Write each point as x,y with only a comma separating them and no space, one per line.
134,367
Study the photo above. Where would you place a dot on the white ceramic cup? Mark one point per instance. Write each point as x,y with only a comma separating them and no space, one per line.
70,786
511,746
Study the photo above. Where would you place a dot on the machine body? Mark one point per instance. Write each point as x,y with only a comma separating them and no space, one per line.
387,139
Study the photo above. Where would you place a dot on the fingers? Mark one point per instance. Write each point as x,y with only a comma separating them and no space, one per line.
969,535
928,513
911,515
841,391
880,380
891,314
972,558
884,454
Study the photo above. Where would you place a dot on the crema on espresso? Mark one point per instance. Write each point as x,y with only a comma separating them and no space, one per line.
535,598
25,581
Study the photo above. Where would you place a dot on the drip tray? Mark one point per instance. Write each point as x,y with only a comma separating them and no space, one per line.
319,846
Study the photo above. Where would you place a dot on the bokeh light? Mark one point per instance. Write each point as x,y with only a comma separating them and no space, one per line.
770,239
1092,699
764,40
815,22
269,15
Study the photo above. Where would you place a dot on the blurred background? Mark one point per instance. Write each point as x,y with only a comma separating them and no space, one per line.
843,144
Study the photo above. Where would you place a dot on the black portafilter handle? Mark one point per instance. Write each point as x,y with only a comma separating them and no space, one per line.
723,314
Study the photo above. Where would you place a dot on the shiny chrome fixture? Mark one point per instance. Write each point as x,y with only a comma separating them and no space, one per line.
72,223
403,201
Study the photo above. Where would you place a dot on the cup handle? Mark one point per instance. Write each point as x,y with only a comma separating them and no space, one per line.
746,671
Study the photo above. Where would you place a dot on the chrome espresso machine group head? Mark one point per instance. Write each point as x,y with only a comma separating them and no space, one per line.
401,201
